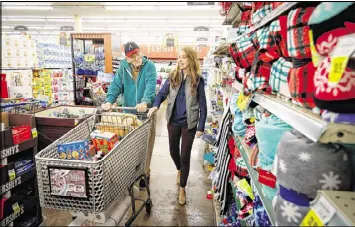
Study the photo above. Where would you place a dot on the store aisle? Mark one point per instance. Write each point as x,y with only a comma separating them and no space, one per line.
166,211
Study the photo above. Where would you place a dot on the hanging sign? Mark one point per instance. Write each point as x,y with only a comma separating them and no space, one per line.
200,3
21,28
200,39
67,28
201,28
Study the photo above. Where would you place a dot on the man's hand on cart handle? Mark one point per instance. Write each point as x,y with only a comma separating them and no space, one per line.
142,107
106,106
152,111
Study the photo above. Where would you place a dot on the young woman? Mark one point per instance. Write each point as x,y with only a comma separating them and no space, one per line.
186,112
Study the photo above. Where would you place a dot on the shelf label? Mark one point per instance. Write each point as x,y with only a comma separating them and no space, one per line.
10,151
16,208
89,57
311,219
12,174
10,185
243,101
337,68
34,133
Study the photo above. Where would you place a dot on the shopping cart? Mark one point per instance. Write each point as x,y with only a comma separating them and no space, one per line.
18,106
105,181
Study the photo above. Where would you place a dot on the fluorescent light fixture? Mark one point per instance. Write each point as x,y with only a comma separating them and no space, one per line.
39,19
153,18
131,8
186,7
28,7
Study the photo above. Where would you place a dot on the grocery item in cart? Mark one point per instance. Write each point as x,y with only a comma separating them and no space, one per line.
104,141
119,123
78,150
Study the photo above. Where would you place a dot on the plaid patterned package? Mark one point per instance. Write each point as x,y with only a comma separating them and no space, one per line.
250,137
260,10
246,50
301,85
275,5
298,42
269,39
283,33
258,79
242,29
245,6
280,70
241,167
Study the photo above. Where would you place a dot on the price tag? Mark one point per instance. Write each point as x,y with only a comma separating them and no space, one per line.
312,219
16,208
12,174
337,68
243,101
315,56
89,57
323,209
339,58
34,133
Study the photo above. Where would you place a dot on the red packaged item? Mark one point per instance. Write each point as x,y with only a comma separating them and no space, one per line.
21,133
4,92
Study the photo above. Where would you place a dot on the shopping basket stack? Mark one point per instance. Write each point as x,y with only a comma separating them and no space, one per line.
106,180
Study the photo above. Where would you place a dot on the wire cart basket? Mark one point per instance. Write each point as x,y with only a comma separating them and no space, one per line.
96,98
17,106
106,180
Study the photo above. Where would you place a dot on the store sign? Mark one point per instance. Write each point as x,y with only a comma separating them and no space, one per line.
200,3
21,28
67,28
201,39
201,28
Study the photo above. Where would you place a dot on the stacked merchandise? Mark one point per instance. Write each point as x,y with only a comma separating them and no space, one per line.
19,52
51,55
89,57
42,85
63,86
299,56
18,192
116,61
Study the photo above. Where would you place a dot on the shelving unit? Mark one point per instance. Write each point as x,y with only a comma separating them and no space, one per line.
312,125
217,209
233,15
342,202
245,152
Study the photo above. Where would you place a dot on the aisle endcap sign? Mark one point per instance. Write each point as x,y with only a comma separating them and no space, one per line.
67,28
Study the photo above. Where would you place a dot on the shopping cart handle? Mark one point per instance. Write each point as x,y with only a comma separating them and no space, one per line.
121,108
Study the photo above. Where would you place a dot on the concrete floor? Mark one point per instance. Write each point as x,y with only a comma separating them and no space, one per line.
164,192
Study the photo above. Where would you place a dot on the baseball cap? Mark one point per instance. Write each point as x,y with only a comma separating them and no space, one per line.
131,48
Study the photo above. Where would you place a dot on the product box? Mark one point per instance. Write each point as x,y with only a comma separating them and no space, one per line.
78,150
104,141
21,133
20,92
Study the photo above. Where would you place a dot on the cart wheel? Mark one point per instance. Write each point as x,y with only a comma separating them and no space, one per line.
148,207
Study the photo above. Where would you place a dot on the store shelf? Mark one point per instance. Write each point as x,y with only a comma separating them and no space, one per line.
233,15
270,17
222,49
245,152
18,180
18,148
217,210
305,121
342,202
23,209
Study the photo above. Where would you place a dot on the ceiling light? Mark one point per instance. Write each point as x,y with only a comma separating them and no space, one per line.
131,8
28,7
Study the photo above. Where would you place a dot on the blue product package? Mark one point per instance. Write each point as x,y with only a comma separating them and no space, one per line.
21,163
78,150
23,169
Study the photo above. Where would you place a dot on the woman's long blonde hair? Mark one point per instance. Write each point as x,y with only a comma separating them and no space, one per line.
194,70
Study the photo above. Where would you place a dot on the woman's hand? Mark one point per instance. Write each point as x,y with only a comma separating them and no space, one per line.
152,111
199,134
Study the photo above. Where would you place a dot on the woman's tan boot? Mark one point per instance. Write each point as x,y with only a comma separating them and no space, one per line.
178,177
182,196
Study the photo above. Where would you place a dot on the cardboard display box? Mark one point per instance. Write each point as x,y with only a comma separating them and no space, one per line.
52,128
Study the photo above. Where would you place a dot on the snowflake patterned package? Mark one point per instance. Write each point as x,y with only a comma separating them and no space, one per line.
306,167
